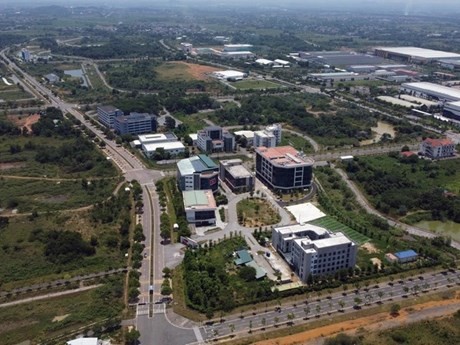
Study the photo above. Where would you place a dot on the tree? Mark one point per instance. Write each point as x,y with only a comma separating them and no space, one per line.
170,123
132,337
306,310
394,309
232,327
263,321
341,304
358,301
318,309
380,294
247,273
167,272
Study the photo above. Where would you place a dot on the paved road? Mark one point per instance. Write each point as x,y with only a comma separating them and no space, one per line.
308,306
392,222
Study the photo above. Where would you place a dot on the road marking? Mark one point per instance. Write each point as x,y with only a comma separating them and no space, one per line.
198,335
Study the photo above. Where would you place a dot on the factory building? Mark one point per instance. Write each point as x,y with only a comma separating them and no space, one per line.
431,90
414,54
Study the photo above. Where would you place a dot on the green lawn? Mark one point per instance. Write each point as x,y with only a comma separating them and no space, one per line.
335,226
250,84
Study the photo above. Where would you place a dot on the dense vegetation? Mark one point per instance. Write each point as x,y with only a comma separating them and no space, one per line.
340,127
213,282
398,185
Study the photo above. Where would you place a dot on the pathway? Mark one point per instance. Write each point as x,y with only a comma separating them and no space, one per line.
361,199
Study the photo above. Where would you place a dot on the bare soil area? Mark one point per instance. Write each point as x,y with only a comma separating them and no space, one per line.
12,165
24,121
199,72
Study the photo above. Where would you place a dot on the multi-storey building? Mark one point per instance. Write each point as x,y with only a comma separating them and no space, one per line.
135,123
198,172
283,168
107,114
215,139
235,175
264,138
437,148
312,250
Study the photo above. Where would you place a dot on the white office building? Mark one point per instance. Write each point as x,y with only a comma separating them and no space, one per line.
312,250
167,142
264,138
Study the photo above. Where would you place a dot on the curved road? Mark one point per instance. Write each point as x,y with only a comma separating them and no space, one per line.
370,209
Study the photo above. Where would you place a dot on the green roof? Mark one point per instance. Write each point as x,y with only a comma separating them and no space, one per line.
195,198
243,257
208,161
260,272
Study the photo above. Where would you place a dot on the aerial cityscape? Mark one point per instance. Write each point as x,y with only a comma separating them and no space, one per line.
188,173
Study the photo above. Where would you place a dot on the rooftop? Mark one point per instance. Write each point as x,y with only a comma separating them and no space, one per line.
243,257
264,61
134,117
239,171
282,62
439,142
242,52
245,133
196,164
419,52
108,108
83,341
298,228
260,272
157,137
406,254
306,212
169,145
431,87
197,199
284,155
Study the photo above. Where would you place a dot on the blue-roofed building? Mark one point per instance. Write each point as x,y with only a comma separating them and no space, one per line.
406,256
243,257
260,272
198,173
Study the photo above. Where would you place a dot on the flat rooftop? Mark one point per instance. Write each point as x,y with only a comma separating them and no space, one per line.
169,145
245,133
426,87
419,52
196,164
335,239
298,228
239,171
145,138
285,156
199,199
305,213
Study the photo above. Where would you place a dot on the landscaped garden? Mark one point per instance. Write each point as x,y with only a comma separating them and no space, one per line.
256,212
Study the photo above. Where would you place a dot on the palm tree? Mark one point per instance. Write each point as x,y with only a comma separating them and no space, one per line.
276,320
341,304
368,298
250,326
232,327
306,310
263,321
330,307
318,310
358,301
380,294
406,289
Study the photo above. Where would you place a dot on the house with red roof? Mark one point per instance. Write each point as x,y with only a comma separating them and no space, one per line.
437,148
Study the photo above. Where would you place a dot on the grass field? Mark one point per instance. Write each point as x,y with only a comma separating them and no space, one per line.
28,166
41,320
250,84
49,195
22,251
296,141
256,212
335,226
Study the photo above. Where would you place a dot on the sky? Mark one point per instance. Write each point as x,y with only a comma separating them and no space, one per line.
404,6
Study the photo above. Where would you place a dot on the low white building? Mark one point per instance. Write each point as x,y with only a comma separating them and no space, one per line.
264,62
264,138
229,74
437,148
168,142
249,135
186,47
283,63
313,250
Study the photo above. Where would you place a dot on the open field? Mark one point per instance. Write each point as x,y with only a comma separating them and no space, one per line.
41,320
183,71
50,195
335,226
22,251
296,141
250,84
256,212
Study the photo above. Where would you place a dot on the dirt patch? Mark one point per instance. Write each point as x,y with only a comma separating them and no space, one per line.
56,199
376,261
379,321
9,325
12,165
60,317
370,248
199,72
24,121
